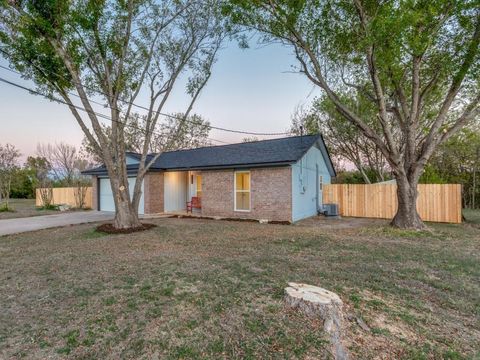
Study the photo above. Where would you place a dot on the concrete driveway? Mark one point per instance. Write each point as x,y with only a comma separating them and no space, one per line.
20,225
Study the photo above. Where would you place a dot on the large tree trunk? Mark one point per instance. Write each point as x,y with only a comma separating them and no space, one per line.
407,216
126,216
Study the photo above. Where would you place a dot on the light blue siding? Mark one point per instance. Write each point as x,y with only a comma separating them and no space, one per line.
131,160
305,184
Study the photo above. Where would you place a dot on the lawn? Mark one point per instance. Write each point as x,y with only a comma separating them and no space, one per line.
472,216
193,288
23,208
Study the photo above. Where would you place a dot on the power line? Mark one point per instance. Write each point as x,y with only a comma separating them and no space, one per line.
52,98
153,111
95,102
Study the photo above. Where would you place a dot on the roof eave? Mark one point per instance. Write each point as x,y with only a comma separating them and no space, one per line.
232,166
103,172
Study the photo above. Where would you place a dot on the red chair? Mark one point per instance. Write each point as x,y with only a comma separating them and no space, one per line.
194,204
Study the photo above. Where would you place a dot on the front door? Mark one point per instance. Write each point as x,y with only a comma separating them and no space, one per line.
195,185
198,187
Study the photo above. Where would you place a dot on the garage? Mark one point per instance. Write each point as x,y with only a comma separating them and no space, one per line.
105,196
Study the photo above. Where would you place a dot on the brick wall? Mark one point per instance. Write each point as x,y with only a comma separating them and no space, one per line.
153,187
95,193
271,194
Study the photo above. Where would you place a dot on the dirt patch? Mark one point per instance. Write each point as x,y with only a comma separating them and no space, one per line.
277,222
109,229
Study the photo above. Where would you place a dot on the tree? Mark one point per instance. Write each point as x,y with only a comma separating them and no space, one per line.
305,121
344,140
61,158
9,156
416,63
41,168
175,133
65,162
23,186
458,161
114,50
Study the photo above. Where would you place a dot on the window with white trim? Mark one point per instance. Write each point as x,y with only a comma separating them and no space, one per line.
242,191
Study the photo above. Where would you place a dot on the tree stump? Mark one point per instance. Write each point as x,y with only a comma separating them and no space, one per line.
315,301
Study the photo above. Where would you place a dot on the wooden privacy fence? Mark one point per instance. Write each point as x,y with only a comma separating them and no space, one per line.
436,202
66,196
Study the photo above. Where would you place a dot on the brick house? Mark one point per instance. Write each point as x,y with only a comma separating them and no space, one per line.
278,179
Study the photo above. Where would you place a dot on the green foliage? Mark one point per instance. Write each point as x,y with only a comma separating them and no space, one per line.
112,51
39,167
6,208
48,207
23,184
458,162
175,133
344,140
431,175
355,177
403,74
306,120
9,156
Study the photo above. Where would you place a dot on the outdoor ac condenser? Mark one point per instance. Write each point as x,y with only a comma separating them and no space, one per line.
330,209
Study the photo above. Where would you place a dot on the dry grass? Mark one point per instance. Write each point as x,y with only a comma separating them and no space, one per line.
24,208
213,289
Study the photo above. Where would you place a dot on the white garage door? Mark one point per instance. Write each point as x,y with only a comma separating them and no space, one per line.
106,196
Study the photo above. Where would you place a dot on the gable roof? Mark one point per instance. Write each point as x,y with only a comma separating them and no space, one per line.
275,152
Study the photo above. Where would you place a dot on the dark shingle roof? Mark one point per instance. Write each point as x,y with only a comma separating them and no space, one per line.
274,152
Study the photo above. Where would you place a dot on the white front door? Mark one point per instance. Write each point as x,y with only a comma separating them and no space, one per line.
194,184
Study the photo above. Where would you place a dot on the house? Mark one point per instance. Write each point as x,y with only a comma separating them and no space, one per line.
279,179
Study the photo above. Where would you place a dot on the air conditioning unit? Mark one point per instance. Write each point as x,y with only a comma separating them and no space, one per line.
330,209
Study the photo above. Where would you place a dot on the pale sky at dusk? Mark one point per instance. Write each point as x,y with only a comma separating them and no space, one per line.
250,90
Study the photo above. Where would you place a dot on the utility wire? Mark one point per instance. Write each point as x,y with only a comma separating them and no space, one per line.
52,98
101,104
94,102
153,111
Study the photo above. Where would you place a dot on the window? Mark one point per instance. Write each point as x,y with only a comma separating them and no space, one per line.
199,185
320,182
242,191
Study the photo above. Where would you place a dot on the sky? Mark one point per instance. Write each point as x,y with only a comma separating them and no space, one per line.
250,89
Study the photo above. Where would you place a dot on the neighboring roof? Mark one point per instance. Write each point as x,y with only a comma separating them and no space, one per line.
275,152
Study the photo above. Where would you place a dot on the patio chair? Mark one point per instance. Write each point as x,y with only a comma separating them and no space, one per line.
194,204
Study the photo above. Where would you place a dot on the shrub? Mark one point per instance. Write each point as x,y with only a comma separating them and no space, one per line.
5,208
48,207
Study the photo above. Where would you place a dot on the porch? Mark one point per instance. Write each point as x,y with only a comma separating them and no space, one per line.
179,188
